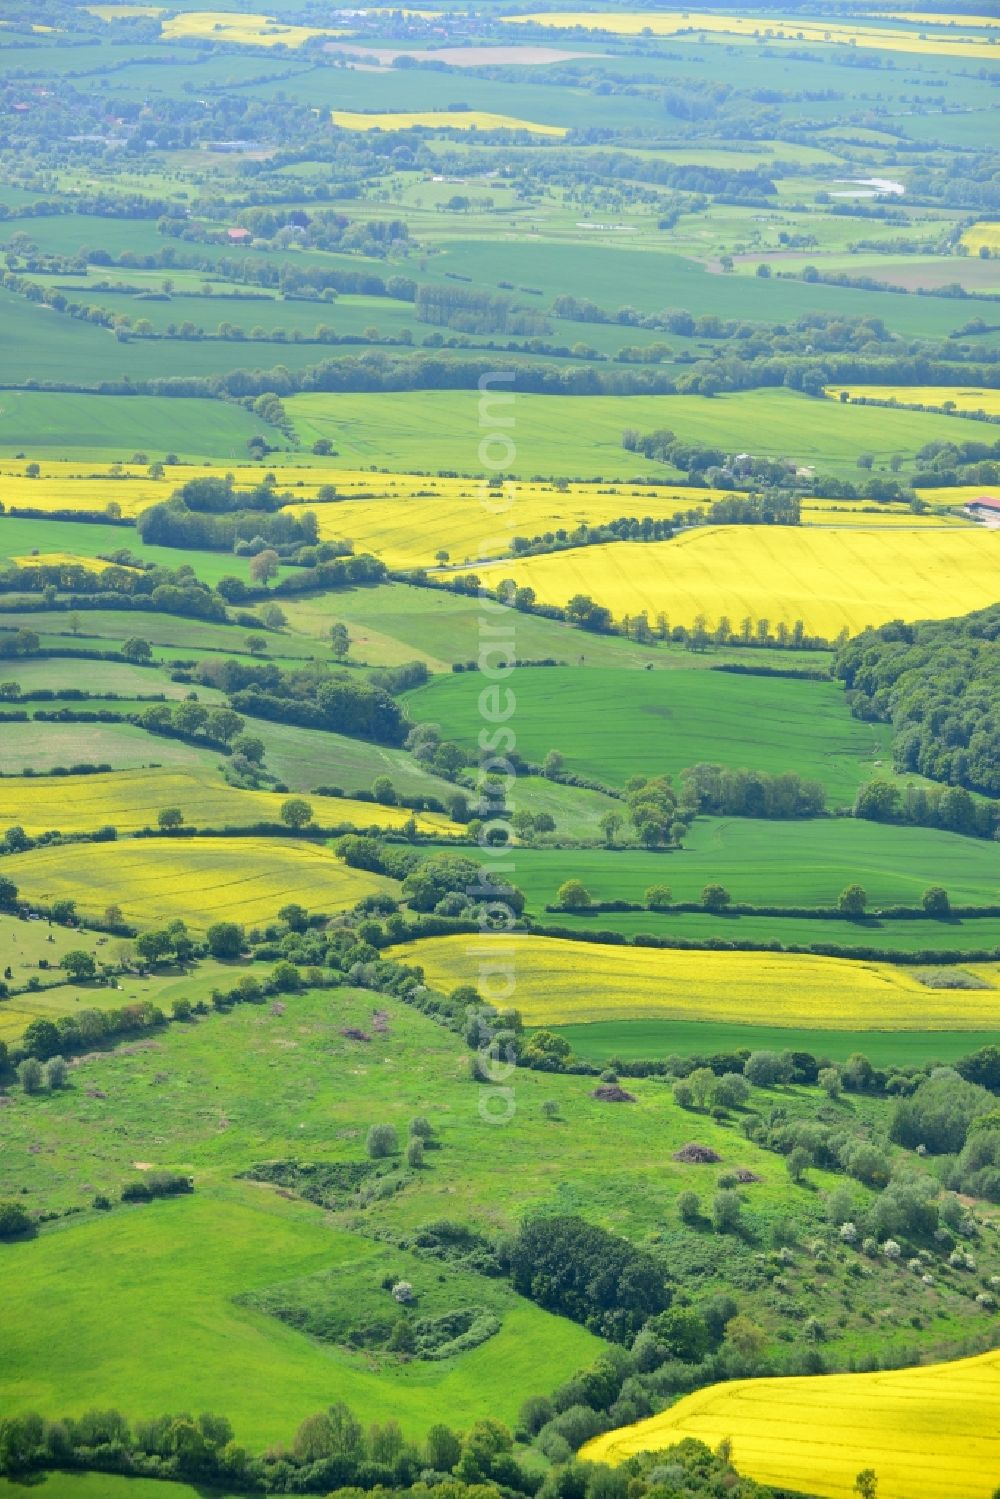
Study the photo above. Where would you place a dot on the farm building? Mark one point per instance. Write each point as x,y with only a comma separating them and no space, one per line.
984,508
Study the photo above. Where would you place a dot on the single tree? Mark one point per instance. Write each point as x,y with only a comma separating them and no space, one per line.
797,1162
296,812
715,897
610,825
552,765
225,939
339,640
79,965
170,817
852,900
935,901
274,616
264,566
573,895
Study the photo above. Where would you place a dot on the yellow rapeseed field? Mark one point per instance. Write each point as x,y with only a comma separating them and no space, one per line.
130,799
831,579
985,233
232,26
439,119
669,23
62,559
122,12
958,397
420,517
938,18
957,496
852,513
570,983
928,1433
62,492
202,880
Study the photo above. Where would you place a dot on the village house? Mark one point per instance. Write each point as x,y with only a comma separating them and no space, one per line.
985,508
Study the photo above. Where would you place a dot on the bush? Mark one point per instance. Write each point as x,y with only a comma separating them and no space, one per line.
939,1113
55,1074
764,1069
689,1207
415,1151
726,1211
382,1141
30,1075
829,1081
14,1220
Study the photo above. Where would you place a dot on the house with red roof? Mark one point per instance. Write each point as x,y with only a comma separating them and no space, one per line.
985,508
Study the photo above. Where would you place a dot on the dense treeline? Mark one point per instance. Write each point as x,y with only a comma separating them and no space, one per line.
171,524
949,463
951,808
751,793
332,1453
119,586
311,698
469,310
938,684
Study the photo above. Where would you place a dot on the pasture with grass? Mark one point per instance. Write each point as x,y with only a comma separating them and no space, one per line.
499,727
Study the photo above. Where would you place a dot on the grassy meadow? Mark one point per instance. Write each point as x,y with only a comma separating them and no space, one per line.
213,1096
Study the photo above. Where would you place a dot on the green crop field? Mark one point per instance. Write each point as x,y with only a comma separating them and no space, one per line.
643,1039
778,863
612,727
974,934
580,436
114,427
327,1165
